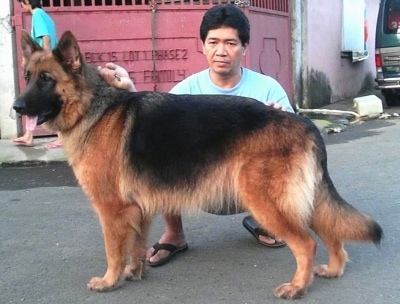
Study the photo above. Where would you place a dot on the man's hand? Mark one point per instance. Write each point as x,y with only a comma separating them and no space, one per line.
275,105
117,77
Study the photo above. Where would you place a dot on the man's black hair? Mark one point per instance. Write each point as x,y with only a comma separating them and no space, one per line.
226,15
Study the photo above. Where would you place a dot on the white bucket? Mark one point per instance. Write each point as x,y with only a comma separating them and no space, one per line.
369,105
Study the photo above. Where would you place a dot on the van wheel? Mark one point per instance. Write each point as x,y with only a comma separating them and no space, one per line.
391,99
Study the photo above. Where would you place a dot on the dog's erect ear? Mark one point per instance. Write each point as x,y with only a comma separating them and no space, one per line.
67,52
28,45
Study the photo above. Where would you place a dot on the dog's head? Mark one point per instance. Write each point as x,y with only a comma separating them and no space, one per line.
54,86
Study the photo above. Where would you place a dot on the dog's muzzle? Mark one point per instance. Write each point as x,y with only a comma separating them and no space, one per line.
19,106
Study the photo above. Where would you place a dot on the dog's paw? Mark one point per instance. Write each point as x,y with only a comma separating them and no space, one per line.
99,284
134,273
289,291
325,272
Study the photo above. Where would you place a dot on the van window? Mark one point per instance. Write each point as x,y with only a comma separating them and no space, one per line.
387,51
391,19
388,25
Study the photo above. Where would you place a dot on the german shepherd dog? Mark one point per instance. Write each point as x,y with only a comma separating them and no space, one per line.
138,154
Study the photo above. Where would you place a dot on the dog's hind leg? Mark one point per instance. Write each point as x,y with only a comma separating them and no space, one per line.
337,259
324,220
303,248
302,245
136,268
115,219
335,221
280,203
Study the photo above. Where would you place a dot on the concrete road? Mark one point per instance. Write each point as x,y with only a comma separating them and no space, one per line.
51,243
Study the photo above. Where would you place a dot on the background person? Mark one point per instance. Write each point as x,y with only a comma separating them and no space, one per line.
43,31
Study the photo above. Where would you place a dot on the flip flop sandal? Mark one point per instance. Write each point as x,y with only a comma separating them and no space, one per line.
256,231
169,247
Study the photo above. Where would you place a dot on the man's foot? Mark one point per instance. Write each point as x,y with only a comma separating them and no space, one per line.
171,250
162,251
262,236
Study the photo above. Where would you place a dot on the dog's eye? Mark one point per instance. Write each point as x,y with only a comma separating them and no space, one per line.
26,76
45,77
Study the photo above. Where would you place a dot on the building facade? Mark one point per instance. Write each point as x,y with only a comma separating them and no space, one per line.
319,53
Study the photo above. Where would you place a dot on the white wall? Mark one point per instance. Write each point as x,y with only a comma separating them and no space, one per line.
8,126
324,44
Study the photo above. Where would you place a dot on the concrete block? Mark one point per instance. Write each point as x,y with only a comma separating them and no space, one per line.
369,105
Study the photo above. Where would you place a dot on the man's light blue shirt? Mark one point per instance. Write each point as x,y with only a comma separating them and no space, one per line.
252,84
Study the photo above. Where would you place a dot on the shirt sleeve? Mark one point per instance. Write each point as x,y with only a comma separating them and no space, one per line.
40,26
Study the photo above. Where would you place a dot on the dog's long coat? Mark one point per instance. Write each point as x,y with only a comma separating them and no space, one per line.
136,154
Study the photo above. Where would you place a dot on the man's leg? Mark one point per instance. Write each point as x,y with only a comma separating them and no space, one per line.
173,235
262,236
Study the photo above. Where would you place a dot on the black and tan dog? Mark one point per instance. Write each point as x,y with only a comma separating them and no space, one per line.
137,154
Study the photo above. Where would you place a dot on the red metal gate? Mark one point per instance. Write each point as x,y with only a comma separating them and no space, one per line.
158,42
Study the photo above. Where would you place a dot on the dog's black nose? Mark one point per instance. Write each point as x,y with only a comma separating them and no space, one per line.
19,110
19,106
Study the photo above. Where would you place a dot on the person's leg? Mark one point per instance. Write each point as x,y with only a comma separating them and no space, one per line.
55,144
27,138
268,239
262,236
173,235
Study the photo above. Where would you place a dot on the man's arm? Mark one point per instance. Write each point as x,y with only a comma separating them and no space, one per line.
276,105
277,97
117,77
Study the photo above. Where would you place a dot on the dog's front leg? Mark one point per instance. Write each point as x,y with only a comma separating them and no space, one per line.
136,268
117,234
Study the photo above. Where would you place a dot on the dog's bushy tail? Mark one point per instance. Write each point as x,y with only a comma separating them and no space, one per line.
335,218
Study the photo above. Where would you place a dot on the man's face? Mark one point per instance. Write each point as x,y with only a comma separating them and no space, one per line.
224,51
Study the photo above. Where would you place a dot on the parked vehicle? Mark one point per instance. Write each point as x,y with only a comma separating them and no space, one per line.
387,51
